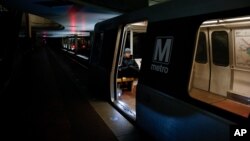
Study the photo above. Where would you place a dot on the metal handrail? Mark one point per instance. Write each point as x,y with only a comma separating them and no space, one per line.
240,69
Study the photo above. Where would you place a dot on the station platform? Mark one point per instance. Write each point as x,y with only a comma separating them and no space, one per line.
47,99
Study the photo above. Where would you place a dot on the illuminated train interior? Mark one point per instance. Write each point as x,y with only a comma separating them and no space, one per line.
126,85
221,66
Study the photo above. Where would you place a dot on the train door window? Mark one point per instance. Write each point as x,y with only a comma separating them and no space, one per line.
83,48
217,76
128,66
220,48
201,54
219,68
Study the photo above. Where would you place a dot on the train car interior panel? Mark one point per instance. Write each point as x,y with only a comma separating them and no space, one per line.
221,65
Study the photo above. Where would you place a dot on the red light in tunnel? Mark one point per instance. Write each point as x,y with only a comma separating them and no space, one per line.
77,18
72,22
72,16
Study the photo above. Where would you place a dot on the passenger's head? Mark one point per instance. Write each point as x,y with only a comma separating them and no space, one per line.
127,52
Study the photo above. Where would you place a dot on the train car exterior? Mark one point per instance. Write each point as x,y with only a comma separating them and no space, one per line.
77,48
172,72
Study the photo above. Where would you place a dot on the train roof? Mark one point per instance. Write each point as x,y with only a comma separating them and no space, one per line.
180,8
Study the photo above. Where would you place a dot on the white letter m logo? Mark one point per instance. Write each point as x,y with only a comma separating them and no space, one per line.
162,53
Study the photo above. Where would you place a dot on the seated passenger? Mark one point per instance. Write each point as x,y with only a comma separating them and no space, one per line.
129,67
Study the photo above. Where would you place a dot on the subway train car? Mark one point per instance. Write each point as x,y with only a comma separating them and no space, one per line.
192,80
77,48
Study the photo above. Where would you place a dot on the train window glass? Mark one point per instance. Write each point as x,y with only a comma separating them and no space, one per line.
220,48
128,66
83,47
201,53
223,81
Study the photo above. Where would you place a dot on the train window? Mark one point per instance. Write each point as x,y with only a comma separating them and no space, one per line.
223,81
201,53
128,66
83,47
220,48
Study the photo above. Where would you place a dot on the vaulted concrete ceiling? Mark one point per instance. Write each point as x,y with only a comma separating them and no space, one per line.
73,17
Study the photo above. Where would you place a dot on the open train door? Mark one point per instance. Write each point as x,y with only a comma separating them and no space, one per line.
124,76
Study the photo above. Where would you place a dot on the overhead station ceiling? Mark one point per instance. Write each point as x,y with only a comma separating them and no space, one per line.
73,17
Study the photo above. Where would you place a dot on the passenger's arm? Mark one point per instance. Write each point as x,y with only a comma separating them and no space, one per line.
134,65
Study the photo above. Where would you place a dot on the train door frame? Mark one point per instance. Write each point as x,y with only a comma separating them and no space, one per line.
122,35
204,65
113,70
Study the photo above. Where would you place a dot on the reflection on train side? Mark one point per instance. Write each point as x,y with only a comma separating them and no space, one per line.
221,66
128,66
